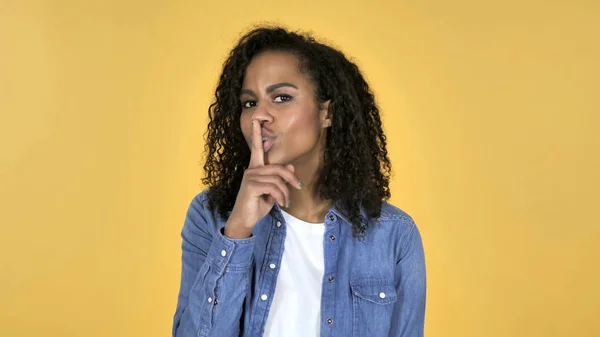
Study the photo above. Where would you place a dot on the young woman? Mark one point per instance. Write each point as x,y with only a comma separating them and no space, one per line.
293,237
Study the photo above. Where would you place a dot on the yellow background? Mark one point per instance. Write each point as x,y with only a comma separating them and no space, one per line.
491,111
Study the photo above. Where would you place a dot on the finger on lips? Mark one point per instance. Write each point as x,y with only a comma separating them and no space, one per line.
257,156
284,173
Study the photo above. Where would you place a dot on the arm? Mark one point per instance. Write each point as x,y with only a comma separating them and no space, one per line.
409,310
214,267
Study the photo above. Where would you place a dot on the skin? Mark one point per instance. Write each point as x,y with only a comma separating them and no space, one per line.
281,102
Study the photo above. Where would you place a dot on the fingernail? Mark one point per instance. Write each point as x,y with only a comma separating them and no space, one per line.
300,184
289,203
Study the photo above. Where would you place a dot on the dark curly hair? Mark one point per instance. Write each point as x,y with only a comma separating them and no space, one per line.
356,166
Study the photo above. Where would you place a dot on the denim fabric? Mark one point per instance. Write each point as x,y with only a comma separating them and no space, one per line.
371,288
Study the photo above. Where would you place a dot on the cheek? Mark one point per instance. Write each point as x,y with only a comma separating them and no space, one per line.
245,120
304,128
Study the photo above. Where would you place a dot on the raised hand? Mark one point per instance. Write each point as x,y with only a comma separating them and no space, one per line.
262,186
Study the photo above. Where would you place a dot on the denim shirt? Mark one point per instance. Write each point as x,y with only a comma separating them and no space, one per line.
371,288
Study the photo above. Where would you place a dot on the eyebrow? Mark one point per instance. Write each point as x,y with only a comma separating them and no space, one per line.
270,88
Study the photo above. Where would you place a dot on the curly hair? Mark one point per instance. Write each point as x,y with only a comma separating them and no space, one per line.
356,169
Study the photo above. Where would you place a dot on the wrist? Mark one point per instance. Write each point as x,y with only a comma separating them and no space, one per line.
233,231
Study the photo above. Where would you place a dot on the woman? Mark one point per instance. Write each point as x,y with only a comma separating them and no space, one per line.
293,236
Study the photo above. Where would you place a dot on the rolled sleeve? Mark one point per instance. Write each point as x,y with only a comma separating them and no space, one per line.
231,255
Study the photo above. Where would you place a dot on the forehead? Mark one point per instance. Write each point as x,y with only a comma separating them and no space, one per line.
272,67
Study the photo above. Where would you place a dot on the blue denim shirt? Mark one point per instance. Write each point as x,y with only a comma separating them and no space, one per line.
371,288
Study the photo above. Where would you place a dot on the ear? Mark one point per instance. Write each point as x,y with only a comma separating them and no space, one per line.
326,116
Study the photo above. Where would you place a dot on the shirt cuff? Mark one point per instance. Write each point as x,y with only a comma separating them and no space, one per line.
231,254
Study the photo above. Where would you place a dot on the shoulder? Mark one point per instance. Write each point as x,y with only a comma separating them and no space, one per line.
200,216
394,216
389,237
199,204
398,225
201,198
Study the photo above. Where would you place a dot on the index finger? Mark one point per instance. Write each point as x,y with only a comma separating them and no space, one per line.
257,155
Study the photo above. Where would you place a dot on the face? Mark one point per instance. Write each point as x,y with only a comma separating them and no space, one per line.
282,99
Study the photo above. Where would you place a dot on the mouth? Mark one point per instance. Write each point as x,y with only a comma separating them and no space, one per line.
267,143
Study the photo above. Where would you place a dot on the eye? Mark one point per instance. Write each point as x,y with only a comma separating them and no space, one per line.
282,98
248,104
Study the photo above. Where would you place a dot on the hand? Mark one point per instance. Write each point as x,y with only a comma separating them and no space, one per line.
262,186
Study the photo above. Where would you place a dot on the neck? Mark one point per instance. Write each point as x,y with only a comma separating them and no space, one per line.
307,207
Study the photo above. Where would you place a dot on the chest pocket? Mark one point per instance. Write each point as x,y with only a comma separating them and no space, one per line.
372,306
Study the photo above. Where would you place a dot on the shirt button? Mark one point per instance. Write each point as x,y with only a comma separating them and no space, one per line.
331,278
272,266
223,253
278,223
381,295
210,300
329,321
263,297
331,217
332,238
216,302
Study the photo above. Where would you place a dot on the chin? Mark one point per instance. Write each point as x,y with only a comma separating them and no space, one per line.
273,158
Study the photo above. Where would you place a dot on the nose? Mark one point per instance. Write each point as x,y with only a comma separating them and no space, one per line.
262,114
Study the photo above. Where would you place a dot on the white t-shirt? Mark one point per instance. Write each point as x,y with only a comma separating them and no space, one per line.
296,307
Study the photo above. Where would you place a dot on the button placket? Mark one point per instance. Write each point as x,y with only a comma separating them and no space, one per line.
330,248
278,224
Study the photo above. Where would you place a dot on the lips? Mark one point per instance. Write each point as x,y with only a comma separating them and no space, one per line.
267,144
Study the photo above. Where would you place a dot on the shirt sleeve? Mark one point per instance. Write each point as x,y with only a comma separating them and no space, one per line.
409,310
215,275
